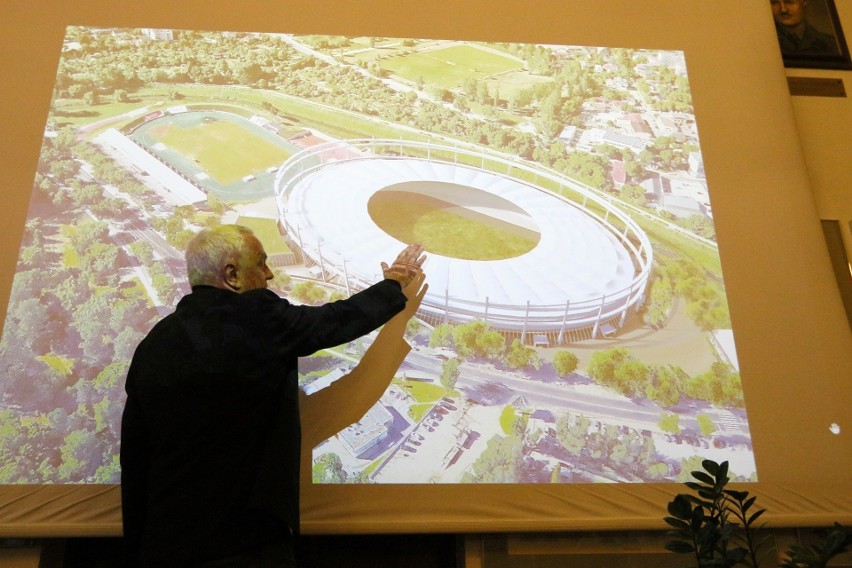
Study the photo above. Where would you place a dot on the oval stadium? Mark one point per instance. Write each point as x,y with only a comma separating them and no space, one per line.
587,268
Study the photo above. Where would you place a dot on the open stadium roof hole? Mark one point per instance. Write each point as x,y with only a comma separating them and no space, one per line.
454,220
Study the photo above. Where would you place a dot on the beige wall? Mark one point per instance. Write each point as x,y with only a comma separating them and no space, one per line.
793,339
825,130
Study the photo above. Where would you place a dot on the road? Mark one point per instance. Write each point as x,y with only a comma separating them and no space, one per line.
594,403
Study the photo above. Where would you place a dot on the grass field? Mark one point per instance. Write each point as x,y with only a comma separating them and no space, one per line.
449,66
266,231
223,149
507,84
446,229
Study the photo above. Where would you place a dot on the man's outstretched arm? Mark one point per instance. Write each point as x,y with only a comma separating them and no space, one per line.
343,403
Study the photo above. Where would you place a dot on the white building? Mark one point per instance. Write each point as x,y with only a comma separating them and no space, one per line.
159,34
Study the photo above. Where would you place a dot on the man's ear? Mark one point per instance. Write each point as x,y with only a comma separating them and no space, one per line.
230,277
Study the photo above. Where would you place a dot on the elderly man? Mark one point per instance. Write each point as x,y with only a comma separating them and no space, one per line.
211,430
795,34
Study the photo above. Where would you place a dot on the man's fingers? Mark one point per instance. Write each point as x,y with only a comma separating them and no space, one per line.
415,291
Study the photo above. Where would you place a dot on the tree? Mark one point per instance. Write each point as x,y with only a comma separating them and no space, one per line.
670,423
89,319
631,376
720,385
450,372
441,335
143,251
11,438
603,364
309,293
412,328
163,284
109,473
64,170
571,431
499,462
110,378
215,204
701,225
125,343
660,303
634,194
601,444
281,279
336,295
77,455
665,384
32,319
477,339
565,363
519,356
86,234
705,423
328,468
549,115
588,168
99,264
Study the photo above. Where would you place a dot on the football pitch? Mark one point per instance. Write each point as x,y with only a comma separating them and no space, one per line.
446,229
448,67
225,150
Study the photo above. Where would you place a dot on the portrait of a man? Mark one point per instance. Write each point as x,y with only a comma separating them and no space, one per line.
808,31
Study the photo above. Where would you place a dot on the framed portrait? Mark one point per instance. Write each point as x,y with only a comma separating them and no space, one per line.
809,34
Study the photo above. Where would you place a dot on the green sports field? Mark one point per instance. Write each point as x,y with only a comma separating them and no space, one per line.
446,229
222,148
449,66
267,232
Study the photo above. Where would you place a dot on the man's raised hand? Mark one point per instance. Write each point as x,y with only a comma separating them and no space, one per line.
407,265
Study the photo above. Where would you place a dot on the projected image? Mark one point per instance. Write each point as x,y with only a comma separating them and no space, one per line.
576,327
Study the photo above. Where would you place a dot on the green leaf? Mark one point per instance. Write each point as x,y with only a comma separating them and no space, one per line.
701,476
682,535
680,547
710,466
755,516
677,523
680,508
708,494
836,541
738,495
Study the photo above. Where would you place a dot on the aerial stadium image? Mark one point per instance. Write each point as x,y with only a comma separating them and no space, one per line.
575,329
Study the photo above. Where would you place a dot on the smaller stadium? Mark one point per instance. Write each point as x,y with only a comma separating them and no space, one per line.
204,149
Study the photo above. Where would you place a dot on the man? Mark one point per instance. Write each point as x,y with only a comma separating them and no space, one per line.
211,428
795,34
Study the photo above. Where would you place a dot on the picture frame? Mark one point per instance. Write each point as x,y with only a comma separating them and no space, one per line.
810,35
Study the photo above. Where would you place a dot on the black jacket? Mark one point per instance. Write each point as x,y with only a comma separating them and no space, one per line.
211,436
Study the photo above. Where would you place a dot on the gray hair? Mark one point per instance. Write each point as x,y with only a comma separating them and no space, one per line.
214,248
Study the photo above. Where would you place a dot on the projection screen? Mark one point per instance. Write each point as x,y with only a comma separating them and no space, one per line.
576,347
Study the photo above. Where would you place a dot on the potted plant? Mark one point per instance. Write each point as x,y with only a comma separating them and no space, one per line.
718,526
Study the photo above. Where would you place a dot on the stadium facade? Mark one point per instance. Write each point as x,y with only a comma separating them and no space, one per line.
585,277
